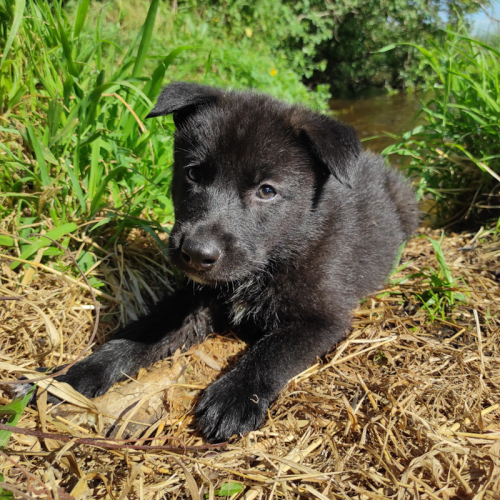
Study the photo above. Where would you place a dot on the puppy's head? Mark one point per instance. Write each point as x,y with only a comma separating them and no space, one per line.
248,178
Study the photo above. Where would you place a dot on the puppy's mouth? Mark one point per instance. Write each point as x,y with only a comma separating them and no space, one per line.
216,275
200,278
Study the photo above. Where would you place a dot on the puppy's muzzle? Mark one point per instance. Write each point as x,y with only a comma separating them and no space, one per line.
200,255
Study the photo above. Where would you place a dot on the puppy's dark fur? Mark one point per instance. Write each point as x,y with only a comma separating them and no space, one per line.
283,223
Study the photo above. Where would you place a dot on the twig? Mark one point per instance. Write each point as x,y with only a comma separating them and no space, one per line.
27,473
13,489
109,442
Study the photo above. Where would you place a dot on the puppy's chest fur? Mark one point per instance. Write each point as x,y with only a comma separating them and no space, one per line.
253,301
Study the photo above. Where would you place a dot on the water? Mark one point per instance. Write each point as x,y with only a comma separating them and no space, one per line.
379,114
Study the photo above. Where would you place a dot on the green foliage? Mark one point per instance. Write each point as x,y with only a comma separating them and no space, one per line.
73,143
13,412
347,35
227,54
327,42
74,91
5,494
454,157
441,290
228,489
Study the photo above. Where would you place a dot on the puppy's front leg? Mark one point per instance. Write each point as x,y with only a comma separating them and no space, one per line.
178,321
237,402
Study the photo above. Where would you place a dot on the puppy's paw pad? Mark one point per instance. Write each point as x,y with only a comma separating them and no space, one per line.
223,412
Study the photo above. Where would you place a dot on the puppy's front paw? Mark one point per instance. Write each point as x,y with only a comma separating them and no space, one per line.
231,406
18,391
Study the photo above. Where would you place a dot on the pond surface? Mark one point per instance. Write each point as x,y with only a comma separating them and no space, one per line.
379,114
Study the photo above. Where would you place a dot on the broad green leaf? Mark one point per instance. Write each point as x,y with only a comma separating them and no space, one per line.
102,187
6,241
153,86
54,234
100,223
386,48
54,116
5,494
147,33
95,168
37,147
228,489
76,186
442,261
64,132
65,45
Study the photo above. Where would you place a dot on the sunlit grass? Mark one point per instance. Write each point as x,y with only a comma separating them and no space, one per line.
455,158
74,147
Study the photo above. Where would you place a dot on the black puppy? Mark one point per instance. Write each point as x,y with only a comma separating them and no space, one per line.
282,223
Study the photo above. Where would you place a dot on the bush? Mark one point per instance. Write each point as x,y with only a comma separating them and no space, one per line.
227,49
322,41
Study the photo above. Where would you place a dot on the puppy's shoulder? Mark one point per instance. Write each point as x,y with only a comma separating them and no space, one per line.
379,183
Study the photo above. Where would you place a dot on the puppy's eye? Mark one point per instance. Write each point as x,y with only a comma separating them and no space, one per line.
193,174
266,192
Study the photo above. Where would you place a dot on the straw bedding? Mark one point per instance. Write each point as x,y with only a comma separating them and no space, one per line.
404,408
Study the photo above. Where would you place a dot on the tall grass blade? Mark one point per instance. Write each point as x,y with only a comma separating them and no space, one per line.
65,43
19,7
147,33
152,88
81,15
443,266
96,201
37,148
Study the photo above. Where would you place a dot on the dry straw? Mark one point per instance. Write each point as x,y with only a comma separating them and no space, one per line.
404,408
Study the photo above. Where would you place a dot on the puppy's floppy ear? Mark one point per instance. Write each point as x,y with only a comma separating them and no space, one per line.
181,98
333,144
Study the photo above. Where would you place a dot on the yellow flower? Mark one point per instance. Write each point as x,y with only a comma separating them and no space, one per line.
248,32
274,72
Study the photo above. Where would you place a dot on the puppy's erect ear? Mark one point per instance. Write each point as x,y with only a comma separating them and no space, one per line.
333,144
181,98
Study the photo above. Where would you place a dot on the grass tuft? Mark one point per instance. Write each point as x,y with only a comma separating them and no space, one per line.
454,156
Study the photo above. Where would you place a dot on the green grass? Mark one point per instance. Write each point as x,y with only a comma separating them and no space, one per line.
441,292
13,412
75,153
73,141
454,156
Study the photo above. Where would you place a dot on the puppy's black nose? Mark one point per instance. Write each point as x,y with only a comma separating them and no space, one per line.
200,255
